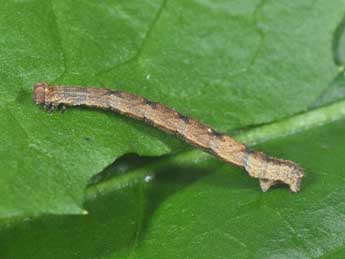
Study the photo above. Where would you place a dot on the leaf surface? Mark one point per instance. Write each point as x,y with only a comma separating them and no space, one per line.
229,64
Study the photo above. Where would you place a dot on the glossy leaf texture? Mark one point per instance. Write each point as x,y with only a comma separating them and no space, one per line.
228,63
231,64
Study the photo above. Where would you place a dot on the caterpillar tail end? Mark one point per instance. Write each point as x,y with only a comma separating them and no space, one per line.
273,171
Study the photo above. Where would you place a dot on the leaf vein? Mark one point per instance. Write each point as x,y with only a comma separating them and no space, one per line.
143,44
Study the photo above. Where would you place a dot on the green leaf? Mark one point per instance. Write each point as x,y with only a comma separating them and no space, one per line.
230,64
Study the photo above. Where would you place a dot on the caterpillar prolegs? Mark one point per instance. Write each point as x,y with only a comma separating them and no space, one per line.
269,170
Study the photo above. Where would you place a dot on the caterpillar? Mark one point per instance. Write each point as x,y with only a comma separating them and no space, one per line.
269,170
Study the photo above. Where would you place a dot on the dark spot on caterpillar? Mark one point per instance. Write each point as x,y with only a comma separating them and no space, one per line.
182,117
153,105
247,154
115,92
248,151
216,133
269,159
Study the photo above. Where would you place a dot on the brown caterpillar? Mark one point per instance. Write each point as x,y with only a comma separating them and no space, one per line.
269,170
